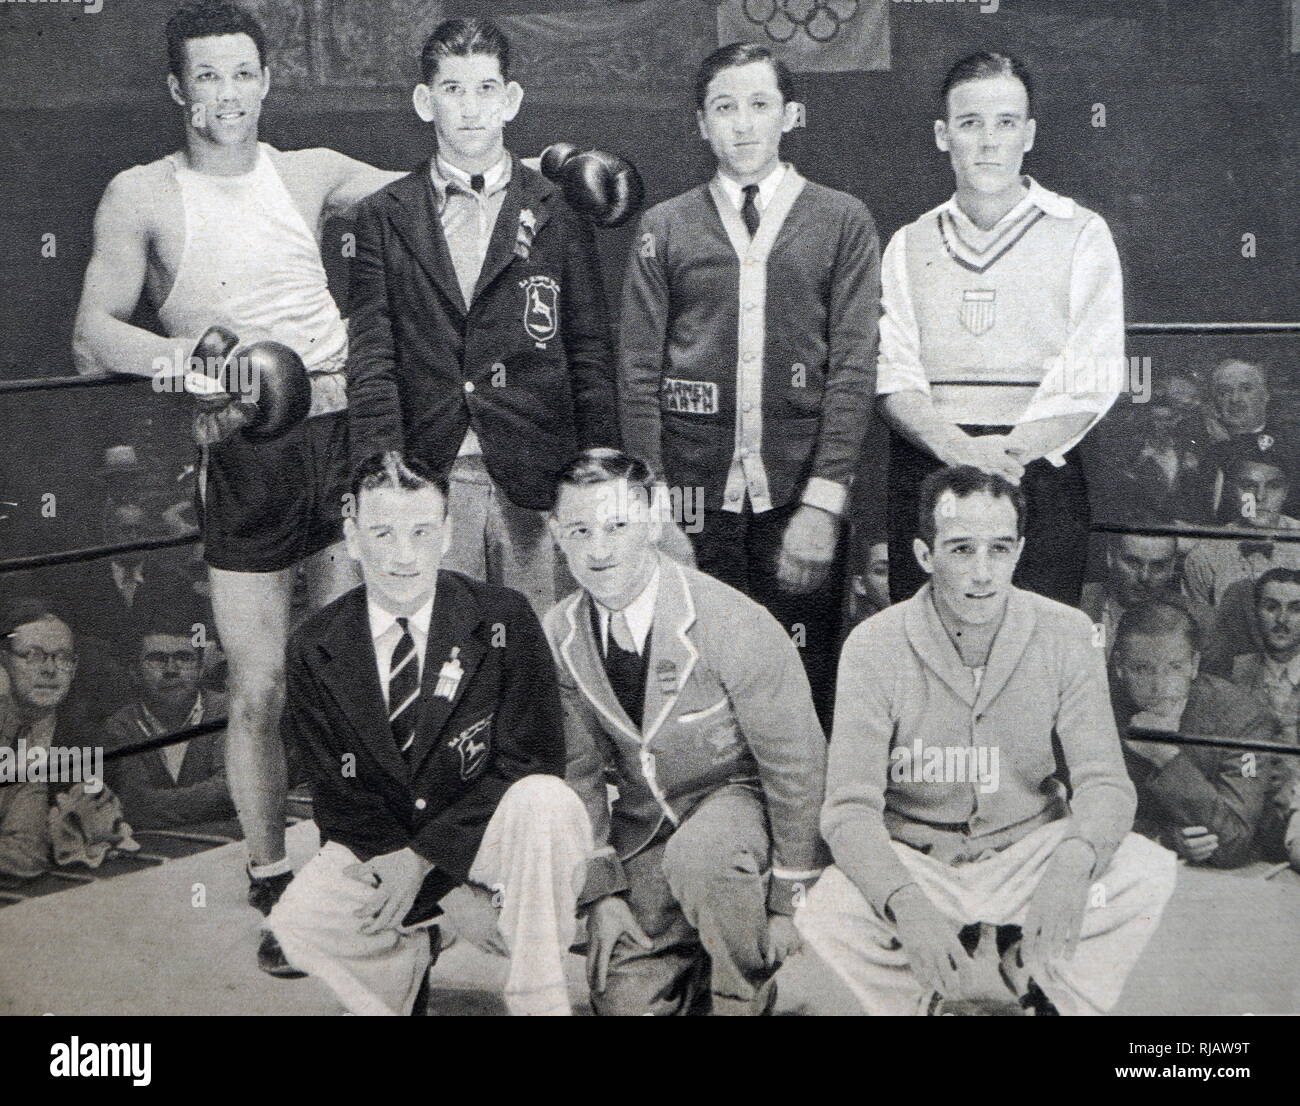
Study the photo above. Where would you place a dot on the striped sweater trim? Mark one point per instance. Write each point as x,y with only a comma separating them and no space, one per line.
980,261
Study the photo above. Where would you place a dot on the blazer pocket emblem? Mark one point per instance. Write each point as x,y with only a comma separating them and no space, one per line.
541,309
472,745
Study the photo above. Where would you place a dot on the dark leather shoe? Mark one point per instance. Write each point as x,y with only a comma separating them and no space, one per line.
271,959
263,894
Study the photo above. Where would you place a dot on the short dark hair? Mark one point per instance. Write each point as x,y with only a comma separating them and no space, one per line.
741,53
985,63
204,19
600,465
391,470
1275,576
462,38
963,481
1155,617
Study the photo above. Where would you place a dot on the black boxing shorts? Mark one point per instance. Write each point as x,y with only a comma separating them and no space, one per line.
265,506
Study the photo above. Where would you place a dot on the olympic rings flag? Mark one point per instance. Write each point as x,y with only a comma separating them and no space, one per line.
812,36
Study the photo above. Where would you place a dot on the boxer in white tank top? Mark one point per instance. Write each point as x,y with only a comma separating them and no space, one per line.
224,232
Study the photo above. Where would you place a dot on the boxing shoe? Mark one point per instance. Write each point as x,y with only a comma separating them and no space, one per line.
602,187
261,389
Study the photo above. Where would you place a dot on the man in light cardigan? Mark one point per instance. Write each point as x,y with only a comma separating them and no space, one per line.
975,776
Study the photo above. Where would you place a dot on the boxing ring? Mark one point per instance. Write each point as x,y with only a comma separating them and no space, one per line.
166,931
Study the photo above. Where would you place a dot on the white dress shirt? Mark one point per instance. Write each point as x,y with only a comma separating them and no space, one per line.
386,633
735,191
468,219
640,615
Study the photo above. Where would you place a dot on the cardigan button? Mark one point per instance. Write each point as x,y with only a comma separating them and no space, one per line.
469,386
420,804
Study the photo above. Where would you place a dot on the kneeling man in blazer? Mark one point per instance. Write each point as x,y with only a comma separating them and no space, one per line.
426,706
691,699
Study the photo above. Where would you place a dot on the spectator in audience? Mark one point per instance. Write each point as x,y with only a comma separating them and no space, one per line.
1210,805
38,655
1235,413
121,475
1274,669
1257,481
100,597
24,837
869,589
1138,567
179,785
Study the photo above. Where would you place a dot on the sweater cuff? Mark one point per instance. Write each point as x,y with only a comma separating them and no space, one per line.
788,889
605,876
829,495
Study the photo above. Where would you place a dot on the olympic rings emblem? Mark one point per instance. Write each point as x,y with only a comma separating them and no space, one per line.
781,20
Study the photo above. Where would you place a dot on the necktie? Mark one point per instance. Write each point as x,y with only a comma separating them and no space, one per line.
621,632
476,182
749,211
403,689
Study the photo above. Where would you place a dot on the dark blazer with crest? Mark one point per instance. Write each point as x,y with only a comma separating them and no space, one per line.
502,723
527,364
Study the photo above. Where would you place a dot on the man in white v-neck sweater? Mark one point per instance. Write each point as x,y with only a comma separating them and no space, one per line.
1002,337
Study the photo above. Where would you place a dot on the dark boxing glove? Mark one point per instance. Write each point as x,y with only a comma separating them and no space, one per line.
604,188
262,388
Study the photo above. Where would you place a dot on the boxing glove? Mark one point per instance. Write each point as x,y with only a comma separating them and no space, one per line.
603,187
262,388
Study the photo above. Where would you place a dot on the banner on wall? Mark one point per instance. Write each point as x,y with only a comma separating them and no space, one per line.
812,36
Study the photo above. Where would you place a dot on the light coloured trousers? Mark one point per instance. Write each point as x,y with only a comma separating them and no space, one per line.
535,849
493,540
1124,907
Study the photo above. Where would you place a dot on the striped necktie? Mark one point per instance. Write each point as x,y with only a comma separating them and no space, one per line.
403,689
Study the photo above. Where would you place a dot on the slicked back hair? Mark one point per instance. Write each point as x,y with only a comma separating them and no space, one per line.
985,63
741,53
1157,617
601,465
963,481
392,470
206,19
463,38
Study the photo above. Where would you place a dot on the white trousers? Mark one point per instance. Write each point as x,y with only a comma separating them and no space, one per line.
535,849
1124,907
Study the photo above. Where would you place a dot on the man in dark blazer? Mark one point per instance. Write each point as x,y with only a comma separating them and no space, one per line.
480,339
426,707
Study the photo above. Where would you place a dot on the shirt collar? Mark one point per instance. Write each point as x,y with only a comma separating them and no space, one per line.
1053,204
444,173
640,614
1290,671
381,620
766,187
122,573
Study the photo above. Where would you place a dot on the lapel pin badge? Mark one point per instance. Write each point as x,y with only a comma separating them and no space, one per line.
449,676
666,671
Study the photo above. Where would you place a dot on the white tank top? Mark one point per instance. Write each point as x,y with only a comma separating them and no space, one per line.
252,264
